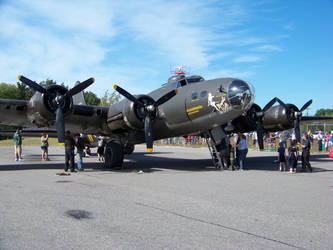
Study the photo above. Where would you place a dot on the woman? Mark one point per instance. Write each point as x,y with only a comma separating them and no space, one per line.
292,157
242,150
44,146
100,149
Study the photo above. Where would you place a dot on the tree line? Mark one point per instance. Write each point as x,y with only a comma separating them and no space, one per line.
21,91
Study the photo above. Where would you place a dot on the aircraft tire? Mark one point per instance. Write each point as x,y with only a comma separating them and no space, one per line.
128,149
114,155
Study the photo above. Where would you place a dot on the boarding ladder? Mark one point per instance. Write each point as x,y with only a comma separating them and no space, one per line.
216,157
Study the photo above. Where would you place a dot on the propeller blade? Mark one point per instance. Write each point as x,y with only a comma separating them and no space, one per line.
60,125
166,97
306,105
148,133
282,103
126,94
33,85
270,104
297,129
260,135
81,86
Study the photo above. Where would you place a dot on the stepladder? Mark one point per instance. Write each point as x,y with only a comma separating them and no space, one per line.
213,150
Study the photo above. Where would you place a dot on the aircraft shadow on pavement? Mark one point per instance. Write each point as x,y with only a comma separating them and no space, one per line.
155,162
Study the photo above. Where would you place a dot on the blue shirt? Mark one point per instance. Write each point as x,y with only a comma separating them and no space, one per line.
242,144
281,151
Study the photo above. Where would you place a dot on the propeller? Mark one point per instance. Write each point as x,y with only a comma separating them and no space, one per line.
259,122
58,101
296,116
149,111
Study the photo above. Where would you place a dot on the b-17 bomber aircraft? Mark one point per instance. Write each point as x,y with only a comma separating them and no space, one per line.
185,105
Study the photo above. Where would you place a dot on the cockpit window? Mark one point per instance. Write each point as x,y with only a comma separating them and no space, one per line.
175,85
179,84
194,79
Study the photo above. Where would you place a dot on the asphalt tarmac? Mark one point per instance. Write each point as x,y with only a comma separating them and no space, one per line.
179,202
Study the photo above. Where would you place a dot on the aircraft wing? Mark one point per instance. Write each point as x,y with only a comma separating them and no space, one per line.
316,120
14,112
81,118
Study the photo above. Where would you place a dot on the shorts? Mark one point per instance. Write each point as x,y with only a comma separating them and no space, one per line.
44,148
100,150
282,159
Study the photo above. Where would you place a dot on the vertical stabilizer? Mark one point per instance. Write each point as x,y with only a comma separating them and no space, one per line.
78,99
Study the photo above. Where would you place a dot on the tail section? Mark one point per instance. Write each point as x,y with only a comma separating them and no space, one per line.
78,99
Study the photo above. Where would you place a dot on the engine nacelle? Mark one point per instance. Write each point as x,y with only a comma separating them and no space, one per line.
127,114
41,108
277,118
246,123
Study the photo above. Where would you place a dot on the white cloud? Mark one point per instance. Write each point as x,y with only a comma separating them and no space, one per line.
247,58
129,43
267,48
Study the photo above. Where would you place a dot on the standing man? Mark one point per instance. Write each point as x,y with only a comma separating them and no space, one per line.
69,151
320,141
306,146
79,151
18,145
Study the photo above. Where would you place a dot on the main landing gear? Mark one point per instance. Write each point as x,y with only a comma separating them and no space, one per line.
113,155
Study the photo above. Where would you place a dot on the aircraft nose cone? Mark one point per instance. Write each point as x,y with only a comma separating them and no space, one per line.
240,94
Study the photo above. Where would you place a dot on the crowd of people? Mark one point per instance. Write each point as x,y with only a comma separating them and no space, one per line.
287,156
78,143
71,143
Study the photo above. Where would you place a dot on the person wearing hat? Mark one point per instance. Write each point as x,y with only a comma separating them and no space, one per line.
79,143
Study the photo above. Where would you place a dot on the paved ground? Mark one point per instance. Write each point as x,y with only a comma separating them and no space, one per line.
180,202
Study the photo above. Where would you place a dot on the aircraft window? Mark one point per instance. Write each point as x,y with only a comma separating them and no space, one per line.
175,85
183,82
194,96
195,79
203,94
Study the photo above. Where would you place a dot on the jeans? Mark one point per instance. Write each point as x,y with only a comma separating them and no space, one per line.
306,160
69,160
79,154
242,156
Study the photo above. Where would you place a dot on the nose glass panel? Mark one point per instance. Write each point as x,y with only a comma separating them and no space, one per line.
240,94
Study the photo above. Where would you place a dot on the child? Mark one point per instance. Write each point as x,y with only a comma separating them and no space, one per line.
292,157
282,157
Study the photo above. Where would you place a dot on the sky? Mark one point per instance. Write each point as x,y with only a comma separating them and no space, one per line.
284,48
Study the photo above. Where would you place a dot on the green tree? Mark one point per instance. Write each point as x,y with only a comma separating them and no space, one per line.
47,82
324,112
24,92
91,98
9,91
109,99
